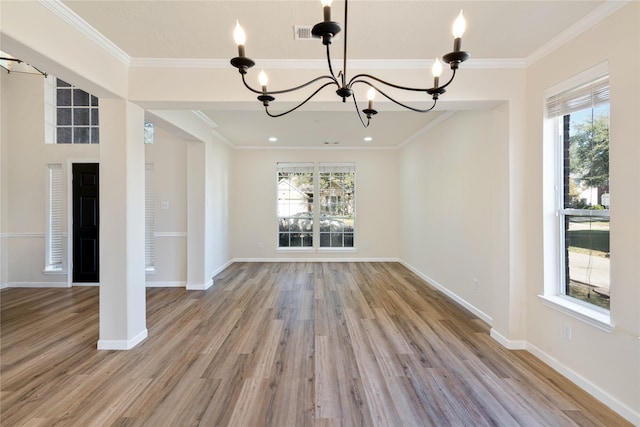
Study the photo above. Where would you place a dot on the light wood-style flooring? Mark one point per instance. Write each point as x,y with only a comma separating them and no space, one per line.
278,344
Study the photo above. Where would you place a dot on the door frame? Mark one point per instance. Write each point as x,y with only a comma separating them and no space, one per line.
70,163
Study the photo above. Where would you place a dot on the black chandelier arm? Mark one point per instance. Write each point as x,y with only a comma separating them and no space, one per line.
277,92
453,76
266,108
408,107
355,103
358,78
331,66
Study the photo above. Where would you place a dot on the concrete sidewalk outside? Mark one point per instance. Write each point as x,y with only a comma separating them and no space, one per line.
589,269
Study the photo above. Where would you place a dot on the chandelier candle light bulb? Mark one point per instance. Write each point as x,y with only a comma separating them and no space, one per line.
326,7
459,26
262,78
371,95
240,38
436,70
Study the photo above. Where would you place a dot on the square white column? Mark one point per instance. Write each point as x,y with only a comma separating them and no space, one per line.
122,199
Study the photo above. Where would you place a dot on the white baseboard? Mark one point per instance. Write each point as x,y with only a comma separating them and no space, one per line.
200,286
482,315
507,343
166,284
122,344
222,268
316,260
36,285
626,412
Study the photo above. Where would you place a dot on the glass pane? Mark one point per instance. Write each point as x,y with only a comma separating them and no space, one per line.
62,83
348,240
63,97
80,116
80,98
295,240
94,117
95,135
94,101
306,239
63,135
81,135
283,240
586,154
587,259
325,240
63,116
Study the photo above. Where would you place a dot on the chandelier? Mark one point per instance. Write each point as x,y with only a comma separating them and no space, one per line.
326,30
15,65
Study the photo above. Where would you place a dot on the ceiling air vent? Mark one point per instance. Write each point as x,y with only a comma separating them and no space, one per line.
302,32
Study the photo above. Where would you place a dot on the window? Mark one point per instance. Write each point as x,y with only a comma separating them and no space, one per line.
149,133
337,205
54,238
71,114
295,205
579,118
316,204
149,218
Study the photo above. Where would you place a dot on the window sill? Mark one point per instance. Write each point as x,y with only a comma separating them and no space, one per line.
593,317
296,249
52,271
150,270
337,249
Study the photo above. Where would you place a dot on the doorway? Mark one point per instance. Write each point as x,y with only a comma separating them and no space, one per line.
86,221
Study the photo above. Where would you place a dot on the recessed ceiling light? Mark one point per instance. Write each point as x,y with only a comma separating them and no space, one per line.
368,139
273,139
331,142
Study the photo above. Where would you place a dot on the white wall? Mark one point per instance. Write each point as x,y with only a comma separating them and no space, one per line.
607,364
168,154
24,169
446,207
254,203
219,178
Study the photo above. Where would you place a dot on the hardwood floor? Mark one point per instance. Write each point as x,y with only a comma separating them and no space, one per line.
278,344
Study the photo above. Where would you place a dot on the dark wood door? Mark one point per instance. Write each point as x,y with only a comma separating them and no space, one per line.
85,223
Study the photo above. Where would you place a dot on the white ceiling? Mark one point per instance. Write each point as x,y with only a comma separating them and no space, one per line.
378,31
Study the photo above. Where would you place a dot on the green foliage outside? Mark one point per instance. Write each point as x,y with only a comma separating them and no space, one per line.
589,151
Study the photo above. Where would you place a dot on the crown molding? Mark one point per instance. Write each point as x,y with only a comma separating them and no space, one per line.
431,125
593,18
321,64
212,125
73,19
318,148
202,116
180,63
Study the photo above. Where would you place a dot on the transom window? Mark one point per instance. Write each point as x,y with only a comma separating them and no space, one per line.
71,114
316,203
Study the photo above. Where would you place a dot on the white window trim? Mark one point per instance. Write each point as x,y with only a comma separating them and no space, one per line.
552,198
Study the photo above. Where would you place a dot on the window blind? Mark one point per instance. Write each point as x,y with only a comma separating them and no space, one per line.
295,167
54,231
149,217
579,98
337,167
